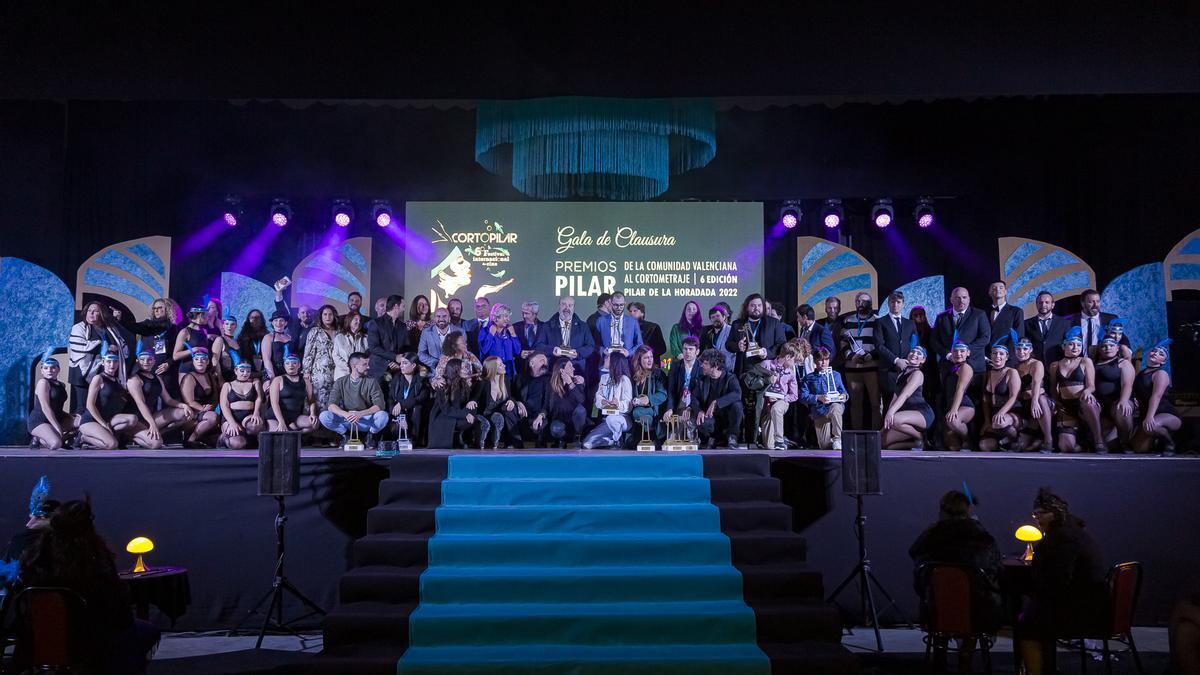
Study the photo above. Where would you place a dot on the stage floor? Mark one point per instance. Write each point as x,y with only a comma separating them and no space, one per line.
202,510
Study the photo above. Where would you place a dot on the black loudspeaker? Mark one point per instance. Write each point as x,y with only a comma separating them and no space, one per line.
860,463
278,463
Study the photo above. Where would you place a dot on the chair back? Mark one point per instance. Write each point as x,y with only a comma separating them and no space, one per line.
1124,586
46,616
948,597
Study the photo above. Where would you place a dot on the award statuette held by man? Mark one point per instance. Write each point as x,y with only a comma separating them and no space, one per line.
567,351
753,349
647,443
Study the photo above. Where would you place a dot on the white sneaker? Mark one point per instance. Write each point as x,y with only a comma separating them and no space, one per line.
837,444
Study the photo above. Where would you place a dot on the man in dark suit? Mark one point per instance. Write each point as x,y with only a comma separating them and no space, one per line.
684,377
893,339
651,332
602,309
567,330
1003,316
973,328
753,326
1046,330
807,328
1090,319
387,339
717,405
529,331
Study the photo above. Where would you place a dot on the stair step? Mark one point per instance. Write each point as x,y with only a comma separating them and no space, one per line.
624,623
400,550
401,518
419,465
570,466
587,660
765,548
580,584
411,491
807,657
719,464
745,489
755,516
571,519
575,491
553,550
772,581
786,620
367,622
381,583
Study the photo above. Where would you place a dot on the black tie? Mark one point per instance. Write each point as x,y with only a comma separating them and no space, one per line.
529,334
896,320
1089,332
1045,326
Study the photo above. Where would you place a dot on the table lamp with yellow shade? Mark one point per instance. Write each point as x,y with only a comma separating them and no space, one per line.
139,546
1028,534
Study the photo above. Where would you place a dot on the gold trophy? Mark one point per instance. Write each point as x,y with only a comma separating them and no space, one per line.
647,443
752,348
676,443
403,442
353,442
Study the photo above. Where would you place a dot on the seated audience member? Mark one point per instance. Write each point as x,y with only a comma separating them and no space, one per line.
433,337
454,408
818,392
241,408
356,399
649,391
1156,404
651,332
1035,411
563,416
1074,380
70,554
566,331
613,398
1183,636
1070,593
533,389
499,339
498,404
958,538
782,389
149,399
409,394
201,389
717,405
689,325
293,405
1114,392
48,423
908,416
1001,392
41,507
104,423
960,409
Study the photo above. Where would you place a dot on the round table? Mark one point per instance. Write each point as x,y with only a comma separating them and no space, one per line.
165,587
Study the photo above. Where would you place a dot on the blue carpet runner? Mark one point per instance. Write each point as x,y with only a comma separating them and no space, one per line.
580,564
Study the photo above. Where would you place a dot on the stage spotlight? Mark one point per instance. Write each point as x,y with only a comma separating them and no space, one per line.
343,212
233,210
381,211
281,212
923,214
790,214
832,213
882,213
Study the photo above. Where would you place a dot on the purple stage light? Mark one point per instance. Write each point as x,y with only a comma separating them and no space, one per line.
231,219
280,219
833,220
342,219
790,220
883,220
925,220
923,213
383,219
831,213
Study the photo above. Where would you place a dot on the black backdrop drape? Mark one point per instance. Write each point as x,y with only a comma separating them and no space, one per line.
1112,178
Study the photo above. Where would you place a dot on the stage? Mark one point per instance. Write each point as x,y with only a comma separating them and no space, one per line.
201,510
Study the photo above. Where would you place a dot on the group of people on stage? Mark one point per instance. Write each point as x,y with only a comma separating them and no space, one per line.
969,378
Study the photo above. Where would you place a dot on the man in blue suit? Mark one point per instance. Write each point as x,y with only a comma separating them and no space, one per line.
618,329
529,330
567,331
807,328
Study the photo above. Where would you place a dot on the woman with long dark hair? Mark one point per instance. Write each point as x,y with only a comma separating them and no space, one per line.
350,339
564,416
1152,390
70,554
454,409
613,398
1001,391
318,355
96,327
254,329
418,318
690,323
649,391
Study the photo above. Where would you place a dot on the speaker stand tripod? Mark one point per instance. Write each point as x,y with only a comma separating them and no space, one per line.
279,584
862,572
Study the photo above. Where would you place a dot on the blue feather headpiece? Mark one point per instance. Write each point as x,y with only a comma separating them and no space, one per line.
238,362
37,499
1024,343
1110,340
48,357
967,492
956,343
1160,345
1074,335
914,345
196,351
288,355
105,354
143,349
229,316
1116,326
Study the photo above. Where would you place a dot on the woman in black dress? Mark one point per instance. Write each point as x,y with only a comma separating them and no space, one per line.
908,416
960,409
223,345
241,408
272,345
191,334
201,387
104,423
1152,389
1035,408
1001,399
48,422
1073,378
146,393
293,406
1114,391
564,415
454,409
254,329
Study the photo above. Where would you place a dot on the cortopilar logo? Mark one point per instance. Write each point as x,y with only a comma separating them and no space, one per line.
473,253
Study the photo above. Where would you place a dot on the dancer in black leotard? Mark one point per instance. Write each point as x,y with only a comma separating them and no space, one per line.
49,425
1152,389
1114,392
201,387
956,377
293,406
1073,380
1001,390
241,407
146,393
908,416
1035,411
225,343
105,424
272,345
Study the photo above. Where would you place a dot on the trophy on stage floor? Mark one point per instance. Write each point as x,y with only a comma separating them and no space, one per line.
403,442
647,443
680,435
752,348
353,442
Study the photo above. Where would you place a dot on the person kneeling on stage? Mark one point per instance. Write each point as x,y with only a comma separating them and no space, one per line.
613,398
1114,392
497,403
960,409
533,389
1152,389
48,424
1001,388
717,405
293,404
1074,379
356,399
908,416
104,423
781,391
241,406
825,395
146,392
1035,409
455,409
649,392
409,393
201,389
563,415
